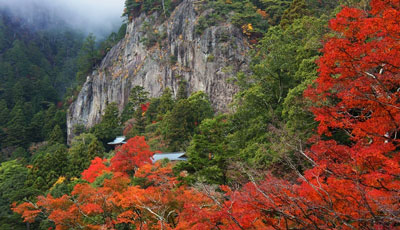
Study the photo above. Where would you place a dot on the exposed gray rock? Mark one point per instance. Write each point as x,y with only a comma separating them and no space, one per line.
157,53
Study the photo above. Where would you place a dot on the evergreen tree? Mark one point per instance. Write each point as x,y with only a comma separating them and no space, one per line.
180,123
208,153
18,58
176,128
275,9
182,90
48,165
57,136
152,111
297,9
139,125
137,97
13,175
166,102
20,153
84,148
35,128
18,92
110,125
87,58
95,149
273,96
3,137
201,107
50,122
4,113
16,127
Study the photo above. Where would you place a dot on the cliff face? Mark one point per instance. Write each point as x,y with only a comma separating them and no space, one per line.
159,53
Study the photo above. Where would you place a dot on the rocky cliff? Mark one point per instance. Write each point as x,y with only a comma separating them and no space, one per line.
158,53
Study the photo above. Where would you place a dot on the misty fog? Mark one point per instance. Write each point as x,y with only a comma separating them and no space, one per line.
89,16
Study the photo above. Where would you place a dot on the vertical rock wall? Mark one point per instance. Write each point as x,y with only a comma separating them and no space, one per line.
158,53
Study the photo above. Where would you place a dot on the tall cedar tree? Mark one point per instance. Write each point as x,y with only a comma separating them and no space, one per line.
110,125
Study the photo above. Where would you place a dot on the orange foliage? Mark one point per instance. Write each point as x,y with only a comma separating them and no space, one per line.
157,203
353,186
27,210
131,155
262,13
96,168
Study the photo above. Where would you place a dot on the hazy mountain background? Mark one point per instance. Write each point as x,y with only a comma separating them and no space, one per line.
47,48
99,17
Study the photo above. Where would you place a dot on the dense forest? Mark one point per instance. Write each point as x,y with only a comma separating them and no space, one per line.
311,143
40,72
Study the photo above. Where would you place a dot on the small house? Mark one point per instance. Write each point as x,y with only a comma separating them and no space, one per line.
118,141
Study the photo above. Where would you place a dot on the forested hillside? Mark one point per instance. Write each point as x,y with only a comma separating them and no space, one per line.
40,71
311,141
36,68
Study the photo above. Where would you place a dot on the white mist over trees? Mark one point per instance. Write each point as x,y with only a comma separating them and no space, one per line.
89,16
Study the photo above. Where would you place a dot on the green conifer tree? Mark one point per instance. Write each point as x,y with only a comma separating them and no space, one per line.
297,9
166,102
13,175
182,90
86,58
56,136
176,127
4,113
20,153
84,148
35,128
16,127
49,120
180,123
152,111
139,125
137,96
110,125
208,153
95,149
48,165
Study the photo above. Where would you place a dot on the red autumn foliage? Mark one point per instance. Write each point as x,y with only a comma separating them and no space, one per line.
145,107
352,185
96,168
131,155
27,210
156,203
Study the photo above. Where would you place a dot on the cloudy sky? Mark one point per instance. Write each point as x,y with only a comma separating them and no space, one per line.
96,16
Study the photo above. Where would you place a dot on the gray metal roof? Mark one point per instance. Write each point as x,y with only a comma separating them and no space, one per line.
118,140
170,156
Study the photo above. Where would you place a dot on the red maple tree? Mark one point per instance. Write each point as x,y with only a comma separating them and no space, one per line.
96,168
131,155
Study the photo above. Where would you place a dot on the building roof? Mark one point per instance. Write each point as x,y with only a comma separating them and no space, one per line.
180,156
118,141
